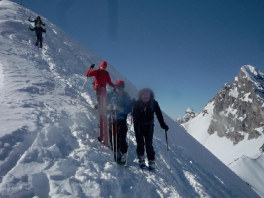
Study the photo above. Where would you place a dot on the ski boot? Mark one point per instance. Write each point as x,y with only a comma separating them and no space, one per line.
141,162
122,159
151,165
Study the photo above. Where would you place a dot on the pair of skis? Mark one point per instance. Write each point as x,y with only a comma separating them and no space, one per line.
114,134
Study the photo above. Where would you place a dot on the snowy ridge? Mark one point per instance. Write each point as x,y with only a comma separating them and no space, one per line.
48,138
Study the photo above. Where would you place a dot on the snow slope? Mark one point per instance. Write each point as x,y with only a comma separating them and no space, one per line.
48,137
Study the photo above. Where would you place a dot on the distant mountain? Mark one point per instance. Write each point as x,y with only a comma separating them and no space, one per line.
189,114
233,126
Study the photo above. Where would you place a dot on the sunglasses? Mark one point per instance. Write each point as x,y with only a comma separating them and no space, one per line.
120,86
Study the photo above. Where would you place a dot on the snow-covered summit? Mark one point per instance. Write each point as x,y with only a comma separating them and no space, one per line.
48,136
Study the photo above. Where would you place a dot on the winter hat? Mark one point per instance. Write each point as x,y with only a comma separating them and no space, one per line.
103,64
120,82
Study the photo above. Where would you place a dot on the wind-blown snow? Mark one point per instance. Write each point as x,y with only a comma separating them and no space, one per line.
48,137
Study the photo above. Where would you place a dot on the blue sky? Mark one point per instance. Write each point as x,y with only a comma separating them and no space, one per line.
184,50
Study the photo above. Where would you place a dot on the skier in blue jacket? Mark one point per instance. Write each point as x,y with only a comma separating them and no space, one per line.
119,106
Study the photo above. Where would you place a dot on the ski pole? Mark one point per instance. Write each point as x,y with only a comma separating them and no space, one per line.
112,127
82,89
84,83
116,134
168,149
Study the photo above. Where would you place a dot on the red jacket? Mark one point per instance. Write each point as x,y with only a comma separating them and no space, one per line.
101,77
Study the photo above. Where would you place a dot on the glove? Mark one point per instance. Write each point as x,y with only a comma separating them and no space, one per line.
92,66
165,127
109,107
118,108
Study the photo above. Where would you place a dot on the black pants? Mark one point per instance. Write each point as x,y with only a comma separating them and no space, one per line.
121,127
39,40
144,137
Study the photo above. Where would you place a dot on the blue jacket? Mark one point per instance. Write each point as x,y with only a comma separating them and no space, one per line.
124,101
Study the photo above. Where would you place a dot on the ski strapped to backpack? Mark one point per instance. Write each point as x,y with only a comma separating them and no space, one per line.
112,130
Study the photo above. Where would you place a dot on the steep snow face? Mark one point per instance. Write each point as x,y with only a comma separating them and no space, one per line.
200,123
48,136
239,107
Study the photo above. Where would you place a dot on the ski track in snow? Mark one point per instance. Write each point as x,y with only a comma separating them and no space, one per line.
48,145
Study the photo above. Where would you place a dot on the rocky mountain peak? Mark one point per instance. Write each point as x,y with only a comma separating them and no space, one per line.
239,107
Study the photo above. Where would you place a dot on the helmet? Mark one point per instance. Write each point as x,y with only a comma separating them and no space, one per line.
103,64
120,82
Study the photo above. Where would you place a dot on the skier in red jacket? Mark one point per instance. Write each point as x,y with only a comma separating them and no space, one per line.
101,78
